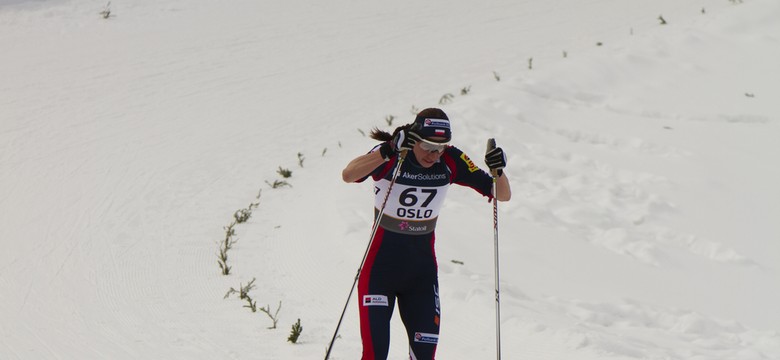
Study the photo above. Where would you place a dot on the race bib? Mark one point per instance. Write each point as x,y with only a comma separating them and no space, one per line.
409,209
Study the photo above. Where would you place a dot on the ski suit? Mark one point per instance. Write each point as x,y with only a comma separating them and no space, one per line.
401,262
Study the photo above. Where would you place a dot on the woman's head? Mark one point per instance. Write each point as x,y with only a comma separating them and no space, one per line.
433,127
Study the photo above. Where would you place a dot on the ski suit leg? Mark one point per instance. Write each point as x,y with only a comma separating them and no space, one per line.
421,313
376,311
376,300
403,267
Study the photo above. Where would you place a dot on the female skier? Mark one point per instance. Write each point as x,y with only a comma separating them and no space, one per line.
401,261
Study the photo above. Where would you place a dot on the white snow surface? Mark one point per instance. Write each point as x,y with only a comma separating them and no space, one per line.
643,158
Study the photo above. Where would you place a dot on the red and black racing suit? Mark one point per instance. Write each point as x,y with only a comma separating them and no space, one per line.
401,262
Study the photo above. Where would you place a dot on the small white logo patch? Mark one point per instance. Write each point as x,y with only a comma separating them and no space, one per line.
375,300
442,123
426,338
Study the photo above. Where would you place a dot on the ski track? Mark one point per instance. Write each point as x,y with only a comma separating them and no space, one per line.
610,207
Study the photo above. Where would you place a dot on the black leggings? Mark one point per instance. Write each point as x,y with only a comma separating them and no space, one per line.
402,267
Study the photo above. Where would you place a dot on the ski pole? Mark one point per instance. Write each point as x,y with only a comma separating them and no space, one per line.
491,144
401,158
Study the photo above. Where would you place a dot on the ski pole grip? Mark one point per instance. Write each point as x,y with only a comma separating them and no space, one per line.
491,144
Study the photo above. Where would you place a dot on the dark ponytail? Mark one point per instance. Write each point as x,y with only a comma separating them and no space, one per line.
382,135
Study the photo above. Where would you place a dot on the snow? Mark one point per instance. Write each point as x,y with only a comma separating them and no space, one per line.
642,157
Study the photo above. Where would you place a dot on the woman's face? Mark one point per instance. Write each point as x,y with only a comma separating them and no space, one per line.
427,154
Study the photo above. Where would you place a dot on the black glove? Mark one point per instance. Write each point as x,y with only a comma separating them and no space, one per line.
403,140
496,160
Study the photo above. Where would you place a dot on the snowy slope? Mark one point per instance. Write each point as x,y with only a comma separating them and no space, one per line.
644,218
